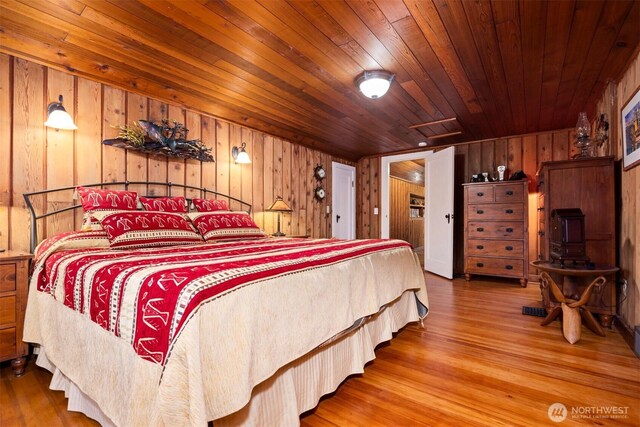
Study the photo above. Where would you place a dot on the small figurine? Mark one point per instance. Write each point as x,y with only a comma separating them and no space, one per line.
485,176
501,170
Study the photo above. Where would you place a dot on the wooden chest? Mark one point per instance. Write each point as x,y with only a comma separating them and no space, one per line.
588,185
495,229
14,271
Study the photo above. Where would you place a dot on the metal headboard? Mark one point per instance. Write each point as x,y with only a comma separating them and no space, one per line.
203,193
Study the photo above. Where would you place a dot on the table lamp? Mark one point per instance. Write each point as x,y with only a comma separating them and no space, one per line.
279,206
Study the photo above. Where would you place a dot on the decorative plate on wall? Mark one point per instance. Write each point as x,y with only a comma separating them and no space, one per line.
319,172
319,193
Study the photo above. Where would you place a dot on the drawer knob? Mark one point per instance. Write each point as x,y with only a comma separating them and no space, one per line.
540,209
509,230
479,211
509,248
540,233
509,211
480,247
479,264
480,229
509,267
480,194
509,193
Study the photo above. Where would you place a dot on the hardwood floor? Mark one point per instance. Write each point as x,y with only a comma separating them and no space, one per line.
477,362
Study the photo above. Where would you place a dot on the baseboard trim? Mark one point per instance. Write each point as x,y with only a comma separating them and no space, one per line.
627,334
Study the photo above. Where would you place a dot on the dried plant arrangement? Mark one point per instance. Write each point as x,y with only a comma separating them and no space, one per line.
168,137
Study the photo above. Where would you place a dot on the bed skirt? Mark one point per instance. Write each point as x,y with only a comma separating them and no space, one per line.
296,387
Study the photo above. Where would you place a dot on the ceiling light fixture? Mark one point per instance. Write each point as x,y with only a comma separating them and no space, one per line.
374,84
240,154
422,144
58,117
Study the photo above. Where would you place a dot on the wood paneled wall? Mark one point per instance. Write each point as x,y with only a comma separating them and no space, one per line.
524,153
401,226
33,157
611,102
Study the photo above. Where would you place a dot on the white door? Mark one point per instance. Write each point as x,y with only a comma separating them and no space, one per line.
438,250
343,194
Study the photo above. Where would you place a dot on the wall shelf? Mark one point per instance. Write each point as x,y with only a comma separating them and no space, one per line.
416,206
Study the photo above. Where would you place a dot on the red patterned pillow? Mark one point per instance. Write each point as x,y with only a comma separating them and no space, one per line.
145,229
71,240
95,199
203,205
164,204
91,223
225,225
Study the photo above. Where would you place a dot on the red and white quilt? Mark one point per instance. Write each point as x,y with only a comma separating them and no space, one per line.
147,296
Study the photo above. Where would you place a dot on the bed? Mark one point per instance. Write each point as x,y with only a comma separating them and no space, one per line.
249,330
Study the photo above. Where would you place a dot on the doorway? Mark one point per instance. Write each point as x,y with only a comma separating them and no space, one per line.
438,209
407,203
343,216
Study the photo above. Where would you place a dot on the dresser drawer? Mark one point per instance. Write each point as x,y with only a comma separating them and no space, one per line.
7,310
498,248
7,277
495,266
498,212
509,193
7,342
495,230
480,194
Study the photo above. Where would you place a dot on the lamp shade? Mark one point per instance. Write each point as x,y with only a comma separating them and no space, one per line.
240,155
243,157
279,206
374,84
58,117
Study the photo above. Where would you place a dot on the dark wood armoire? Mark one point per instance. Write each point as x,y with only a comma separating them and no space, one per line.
588,185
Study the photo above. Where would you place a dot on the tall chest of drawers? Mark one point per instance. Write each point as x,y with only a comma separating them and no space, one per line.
496,239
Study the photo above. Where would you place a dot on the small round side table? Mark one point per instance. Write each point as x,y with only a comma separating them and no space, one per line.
569,295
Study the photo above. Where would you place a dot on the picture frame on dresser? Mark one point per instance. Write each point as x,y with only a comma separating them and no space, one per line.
630,117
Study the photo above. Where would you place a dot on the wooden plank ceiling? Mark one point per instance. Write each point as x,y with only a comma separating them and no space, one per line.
288,67
409,170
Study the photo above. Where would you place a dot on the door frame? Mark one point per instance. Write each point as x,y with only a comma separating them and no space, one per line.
384,184
351,196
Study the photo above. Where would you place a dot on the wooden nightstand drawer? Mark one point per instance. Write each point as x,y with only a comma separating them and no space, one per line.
492,230
14,281
481,194
7,277
509,193
7,343
495,266
496,211
498,248
7,310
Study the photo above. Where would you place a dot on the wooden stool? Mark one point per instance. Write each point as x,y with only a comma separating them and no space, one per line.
572,308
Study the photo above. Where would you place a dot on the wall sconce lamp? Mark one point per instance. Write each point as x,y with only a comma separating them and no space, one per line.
374,84
58,117
240,154
279,206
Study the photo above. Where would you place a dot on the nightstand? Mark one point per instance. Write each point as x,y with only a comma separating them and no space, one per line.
14,283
